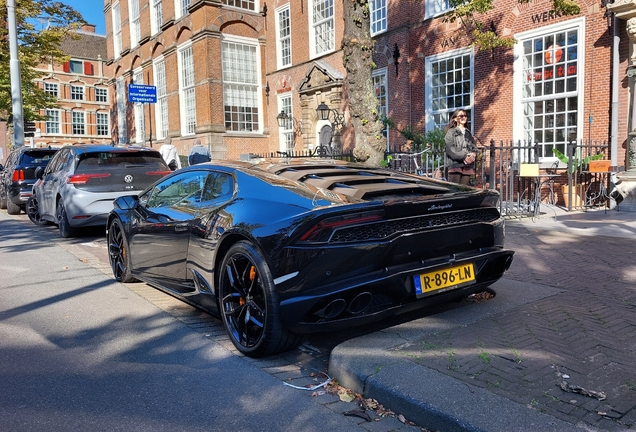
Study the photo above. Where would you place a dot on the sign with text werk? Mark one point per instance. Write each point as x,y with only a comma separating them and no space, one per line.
138,93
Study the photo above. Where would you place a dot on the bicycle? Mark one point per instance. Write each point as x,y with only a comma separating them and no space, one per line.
434,172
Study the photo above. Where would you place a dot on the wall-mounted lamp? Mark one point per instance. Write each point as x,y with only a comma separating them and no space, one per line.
396,56
285,121
324,112
264,10
267,89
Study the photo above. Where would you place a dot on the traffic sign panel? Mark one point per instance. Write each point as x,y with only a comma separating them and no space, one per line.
138,93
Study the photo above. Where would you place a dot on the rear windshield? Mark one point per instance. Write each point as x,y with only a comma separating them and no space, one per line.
37,157
108,161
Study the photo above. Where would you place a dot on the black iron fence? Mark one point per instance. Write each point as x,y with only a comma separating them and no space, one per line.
526,174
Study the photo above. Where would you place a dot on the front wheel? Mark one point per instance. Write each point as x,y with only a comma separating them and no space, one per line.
13,209
33,211
119,253
249,305
66,230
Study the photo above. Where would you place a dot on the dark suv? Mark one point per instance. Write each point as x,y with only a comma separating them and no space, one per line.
18,176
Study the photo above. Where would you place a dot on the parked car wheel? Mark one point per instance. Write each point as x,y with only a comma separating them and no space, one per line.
33,211
66,230
119,253
248,303
3,198
13,209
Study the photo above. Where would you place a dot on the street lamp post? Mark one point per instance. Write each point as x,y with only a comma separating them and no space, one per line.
334,117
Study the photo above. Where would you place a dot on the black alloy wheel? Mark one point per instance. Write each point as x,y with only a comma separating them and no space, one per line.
32,210
3,197
248,303
119,253
66,230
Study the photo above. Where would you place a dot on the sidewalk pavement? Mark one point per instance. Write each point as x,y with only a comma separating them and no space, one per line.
554,350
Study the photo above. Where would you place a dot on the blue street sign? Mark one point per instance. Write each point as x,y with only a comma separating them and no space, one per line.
142,93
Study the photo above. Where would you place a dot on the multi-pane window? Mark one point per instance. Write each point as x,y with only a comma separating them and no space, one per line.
380,89
436,7
449,87
378,16
77,92
122,133
140,120
287,131
102,124
52,88
182,7
243,4
78,123
240,86
322,27
283,32
101,94
52,121
76,66
186,87
156,16
550,89
116,29
161,108
135,24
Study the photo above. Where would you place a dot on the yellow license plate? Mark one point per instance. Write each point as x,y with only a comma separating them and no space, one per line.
445,278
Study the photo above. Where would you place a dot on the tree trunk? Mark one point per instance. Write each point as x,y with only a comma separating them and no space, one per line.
362,103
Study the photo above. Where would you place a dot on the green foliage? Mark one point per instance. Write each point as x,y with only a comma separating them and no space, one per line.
41,27
485,37
577,162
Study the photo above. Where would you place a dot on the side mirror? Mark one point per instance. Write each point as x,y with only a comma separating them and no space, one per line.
39,171
127,202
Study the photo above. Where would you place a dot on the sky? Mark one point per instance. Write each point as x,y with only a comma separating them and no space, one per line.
92,11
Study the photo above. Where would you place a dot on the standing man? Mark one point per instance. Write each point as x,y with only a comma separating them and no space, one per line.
170,155
199,154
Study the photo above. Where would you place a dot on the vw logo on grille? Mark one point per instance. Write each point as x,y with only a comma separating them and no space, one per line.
128,179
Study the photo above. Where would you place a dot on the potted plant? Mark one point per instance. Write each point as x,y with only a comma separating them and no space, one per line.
577,165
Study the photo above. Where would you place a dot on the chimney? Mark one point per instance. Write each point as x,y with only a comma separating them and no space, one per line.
88,28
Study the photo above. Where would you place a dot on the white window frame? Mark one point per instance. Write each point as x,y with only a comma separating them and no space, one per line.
518,129
242,83
135,23
437,7
77,92
156,16
187,93
238,4
283,37
380,80
322,25
161,107
102,121
81,124
116,16
52,89
378,16
122,132
140,119
446,112
286,133
101,94
181,8
53,124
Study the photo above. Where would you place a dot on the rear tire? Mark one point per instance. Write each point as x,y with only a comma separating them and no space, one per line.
13,209
119,253
66,230
33,211
249,304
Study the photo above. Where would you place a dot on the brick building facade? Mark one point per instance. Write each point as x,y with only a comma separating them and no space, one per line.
81,85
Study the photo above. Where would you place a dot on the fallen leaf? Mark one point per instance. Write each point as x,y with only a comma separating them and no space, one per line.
401,418
346,397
